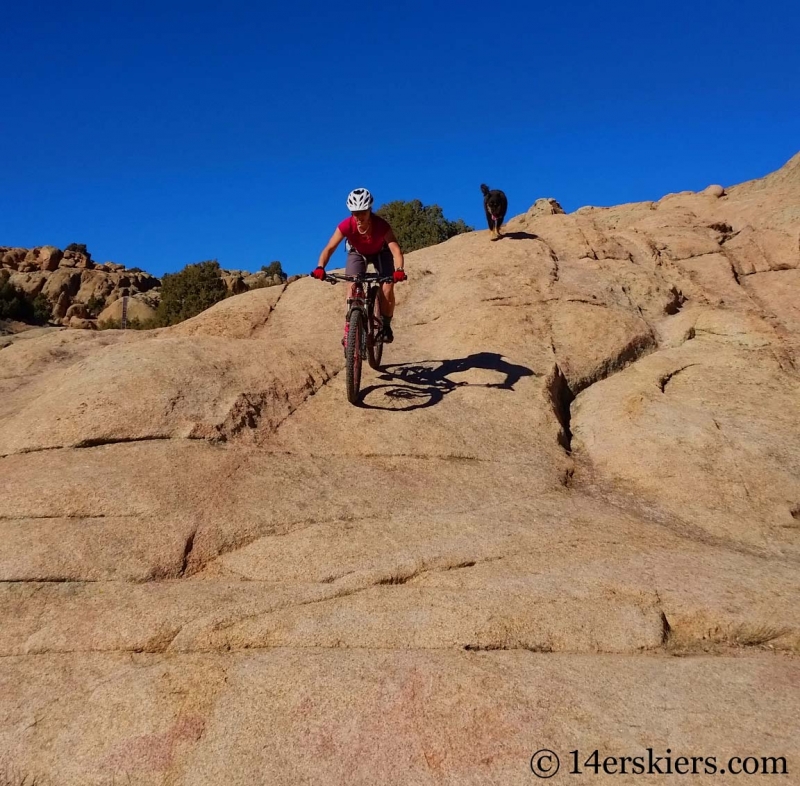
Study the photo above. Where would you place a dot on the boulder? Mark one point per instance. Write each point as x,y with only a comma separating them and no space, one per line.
239,273
45,258
30,283
82,324
235,284
259,280
138,308
62,280
75,259
29,264
144,282
62,306
13,257
95,284
544,207
78,310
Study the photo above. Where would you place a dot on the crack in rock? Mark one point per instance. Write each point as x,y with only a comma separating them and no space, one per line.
327,379
561,397
187,553
665,380
96,442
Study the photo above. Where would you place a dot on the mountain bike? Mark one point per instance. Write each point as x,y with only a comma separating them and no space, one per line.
365,326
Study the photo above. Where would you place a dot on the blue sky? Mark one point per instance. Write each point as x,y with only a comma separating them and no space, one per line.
164,133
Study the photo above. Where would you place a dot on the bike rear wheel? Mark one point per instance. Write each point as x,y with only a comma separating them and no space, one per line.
353,353
374,330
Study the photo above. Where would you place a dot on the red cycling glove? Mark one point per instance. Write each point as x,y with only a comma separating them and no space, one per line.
318,273
399,275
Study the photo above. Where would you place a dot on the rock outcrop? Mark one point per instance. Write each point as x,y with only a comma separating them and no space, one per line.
565,515
71,278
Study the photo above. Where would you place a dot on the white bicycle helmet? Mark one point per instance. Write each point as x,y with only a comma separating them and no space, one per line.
359,199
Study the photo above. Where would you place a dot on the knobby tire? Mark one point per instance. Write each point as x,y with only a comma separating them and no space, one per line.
353,352
375,330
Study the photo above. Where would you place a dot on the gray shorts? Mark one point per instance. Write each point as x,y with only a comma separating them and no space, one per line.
357,263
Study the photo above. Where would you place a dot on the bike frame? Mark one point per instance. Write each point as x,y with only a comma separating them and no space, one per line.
361,296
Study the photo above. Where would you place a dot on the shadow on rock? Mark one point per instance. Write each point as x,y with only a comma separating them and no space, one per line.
410,386
519,236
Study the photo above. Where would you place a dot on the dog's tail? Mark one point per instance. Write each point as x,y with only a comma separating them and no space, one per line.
485,189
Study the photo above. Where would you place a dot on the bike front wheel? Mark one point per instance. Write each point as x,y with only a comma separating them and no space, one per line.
353,354
375,330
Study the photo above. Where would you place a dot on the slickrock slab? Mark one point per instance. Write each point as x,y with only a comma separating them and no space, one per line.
294,716
565,515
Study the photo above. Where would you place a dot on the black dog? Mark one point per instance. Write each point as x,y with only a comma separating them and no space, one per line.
495,204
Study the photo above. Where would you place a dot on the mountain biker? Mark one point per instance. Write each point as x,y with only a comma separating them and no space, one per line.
369,239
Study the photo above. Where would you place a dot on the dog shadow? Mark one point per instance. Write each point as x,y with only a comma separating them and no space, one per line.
409,386
519,236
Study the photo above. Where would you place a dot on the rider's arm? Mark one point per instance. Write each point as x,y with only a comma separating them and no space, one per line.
394,247
327,252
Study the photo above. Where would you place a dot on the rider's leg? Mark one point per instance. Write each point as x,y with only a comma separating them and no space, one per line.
386,268
386,293
355,265
387,300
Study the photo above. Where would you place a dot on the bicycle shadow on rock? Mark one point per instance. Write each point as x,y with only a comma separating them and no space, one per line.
410,386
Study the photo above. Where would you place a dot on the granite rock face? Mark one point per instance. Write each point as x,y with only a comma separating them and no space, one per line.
566,514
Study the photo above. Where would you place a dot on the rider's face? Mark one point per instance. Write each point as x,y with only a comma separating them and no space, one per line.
361,215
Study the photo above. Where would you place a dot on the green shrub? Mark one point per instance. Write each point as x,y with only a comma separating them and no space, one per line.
95,305
17,304
133,324
14,304
418,226
109,324
80,248
188,292
273,269
42,309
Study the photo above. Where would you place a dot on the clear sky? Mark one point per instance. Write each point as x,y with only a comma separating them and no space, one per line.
164,133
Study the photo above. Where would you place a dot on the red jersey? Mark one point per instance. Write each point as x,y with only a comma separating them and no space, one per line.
371,243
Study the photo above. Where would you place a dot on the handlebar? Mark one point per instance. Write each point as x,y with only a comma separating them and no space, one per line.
333,278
